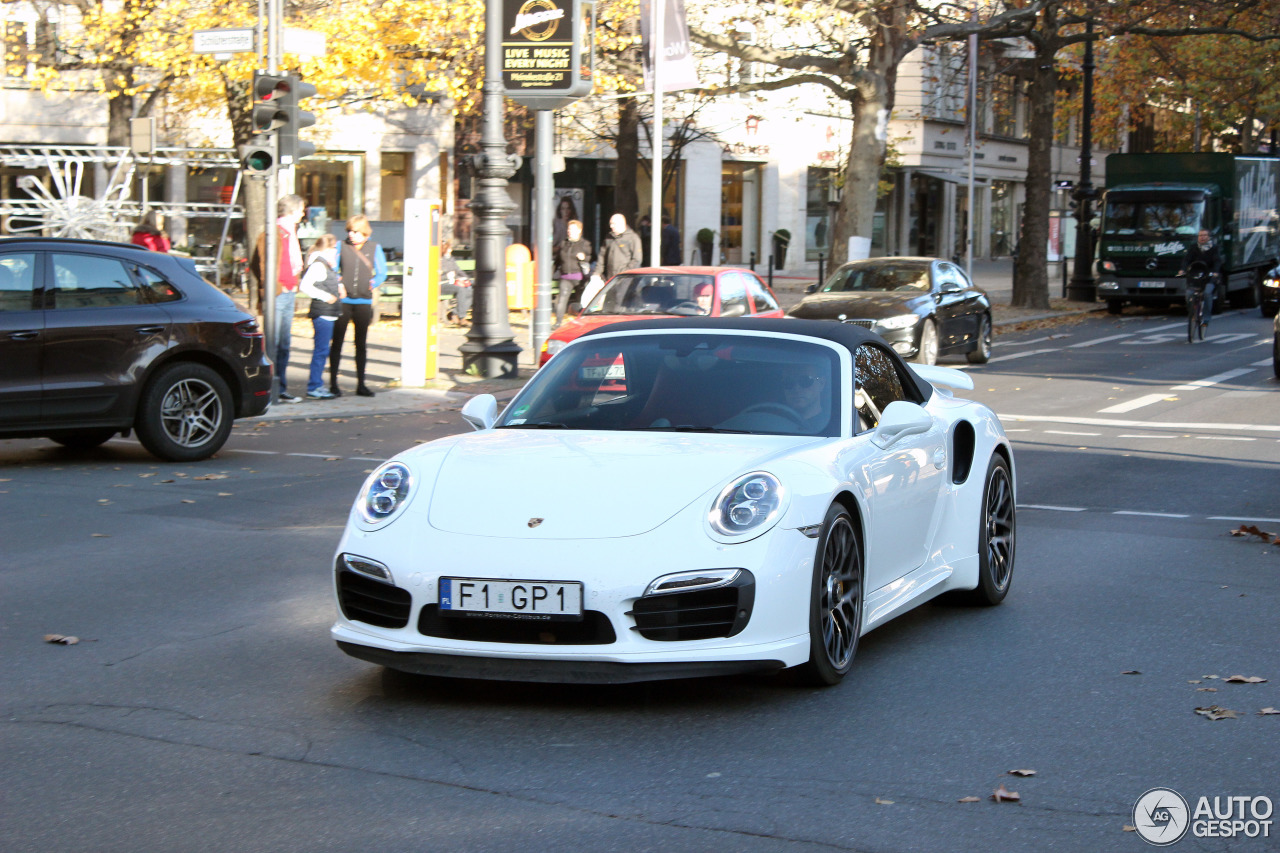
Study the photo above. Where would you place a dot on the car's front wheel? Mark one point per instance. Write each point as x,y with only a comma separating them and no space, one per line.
928,353
835,600
185,413
997,536
981,352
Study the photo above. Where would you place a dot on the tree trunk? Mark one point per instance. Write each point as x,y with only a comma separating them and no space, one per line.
625,198
1030,271
120,110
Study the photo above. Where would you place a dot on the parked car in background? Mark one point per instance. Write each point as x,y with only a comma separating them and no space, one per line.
1269,295
924,307
650,292
98,339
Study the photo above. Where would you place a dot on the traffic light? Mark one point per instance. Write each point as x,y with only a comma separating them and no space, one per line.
269,91
259,156
291,147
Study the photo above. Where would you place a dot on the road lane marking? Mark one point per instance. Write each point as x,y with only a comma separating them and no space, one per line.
1121,408
1052,508
312,455
1227,437
1117,422
1243,518
1214,380
1131,435
1067,432
259,452
1266,362
1150,514
1096,341
1013,355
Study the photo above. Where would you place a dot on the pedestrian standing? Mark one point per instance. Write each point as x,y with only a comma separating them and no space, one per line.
149,233
454,283
320,281
573,261
621,249
289,212
362,266
670,246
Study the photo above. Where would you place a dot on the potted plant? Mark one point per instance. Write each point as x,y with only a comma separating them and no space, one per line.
706,238
781,238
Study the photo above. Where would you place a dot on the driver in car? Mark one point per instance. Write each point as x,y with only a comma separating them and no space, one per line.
804,390
702,294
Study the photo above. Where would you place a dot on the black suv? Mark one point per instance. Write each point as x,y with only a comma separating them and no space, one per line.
103,338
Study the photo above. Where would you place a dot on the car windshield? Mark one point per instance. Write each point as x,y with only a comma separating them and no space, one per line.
1155,219
878,278
694,382
642,293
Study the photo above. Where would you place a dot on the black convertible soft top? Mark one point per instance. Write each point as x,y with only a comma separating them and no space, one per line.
848,336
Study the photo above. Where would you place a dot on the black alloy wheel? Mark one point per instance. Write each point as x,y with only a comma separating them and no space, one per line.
185,413
835,601
981,353
997,536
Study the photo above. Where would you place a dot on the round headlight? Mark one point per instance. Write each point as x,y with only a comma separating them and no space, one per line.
385,493
747,506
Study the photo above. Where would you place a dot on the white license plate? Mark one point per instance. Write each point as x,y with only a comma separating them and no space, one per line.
1151,284
613,371
539,600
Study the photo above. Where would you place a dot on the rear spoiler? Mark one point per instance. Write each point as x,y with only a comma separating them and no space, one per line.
943,377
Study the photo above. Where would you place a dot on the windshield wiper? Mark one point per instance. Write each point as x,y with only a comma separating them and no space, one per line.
539,425
687,428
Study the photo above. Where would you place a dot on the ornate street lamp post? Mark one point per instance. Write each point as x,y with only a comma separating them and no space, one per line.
490,350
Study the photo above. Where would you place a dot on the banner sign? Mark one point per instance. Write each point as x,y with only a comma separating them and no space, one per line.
678,68
546,51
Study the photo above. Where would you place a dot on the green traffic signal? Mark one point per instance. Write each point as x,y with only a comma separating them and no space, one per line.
258,157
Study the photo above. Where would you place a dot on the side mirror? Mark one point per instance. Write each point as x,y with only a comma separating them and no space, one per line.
951,287
899,420
481,412
813,288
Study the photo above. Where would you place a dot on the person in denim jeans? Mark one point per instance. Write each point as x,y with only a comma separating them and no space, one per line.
320,281
289,212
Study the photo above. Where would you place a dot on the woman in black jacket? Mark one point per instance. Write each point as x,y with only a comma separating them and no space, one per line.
573,263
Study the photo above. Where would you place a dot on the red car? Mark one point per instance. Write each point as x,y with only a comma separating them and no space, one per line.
651,292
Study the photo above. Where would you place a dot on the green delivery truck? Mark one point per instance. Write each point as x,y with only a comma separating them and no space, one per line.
1155,205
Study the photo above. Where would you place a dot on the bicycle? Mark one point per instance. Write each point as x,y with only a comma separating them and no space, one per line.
1197,279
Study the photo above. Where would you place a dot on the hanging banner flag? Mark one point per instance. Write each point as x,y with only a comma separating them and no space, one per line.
678,68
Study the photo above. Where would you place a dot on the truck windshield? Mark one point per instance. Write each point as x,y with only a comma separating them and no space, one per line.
1156,219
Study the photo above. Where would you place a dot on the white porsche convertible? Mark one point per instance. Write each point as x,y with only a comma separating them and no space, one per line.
674,498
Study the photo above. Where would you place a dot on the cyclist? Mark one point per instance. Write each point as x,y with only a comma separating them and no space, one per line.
1205,251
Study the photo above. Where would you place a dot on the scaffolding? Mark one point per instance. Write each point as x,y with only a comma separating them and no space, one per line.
62,209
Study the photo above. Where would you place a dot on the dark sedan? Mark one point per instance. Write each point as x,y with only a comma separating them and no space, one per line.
923,307
104,338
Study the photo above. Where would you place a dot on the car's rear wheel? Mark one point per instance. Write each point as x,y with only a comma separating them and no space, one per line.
85,439
997,536
981,353
185,413
835,600
928,353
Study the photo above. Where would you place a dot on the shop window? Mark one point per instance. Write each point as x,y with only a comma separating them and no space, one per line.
395,185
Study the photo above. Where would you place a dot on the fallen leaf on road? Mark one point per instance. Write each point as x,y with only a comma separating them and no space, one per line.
103,501
225,494
145,476
1128,828
881,802
100,535
1131,672
186,501
1206,690
969,800
1213,712
61,639
1252,530
1022,772
1243,679
1266,712
333,459
1194,681
1208,676
166,481
1004,795
212,477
